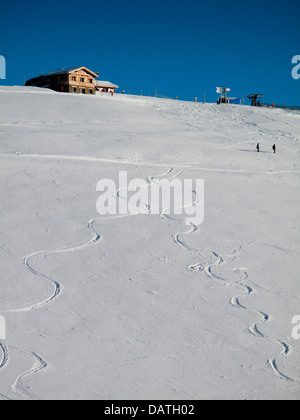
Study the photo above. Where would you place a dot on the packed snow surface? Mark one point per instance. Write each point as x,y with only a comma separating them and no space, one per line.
143,306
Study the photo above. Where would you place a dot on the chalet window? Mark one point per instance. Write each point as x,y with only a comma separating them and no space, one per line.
82,91
90,80
73,78
74,89
91,91
82,79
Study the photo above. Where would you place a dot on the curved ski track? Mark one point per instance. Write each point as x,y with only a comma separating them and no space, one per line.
40,364
29,261
56,285
190,166
5,355
253,329
19,388
207,268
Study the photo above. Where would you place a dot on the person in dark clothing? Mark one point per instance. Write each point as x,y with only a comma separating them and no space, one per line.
274,148
258,147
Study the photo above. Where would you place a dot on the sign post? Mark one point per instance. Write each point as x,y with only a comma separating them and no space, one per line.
223,94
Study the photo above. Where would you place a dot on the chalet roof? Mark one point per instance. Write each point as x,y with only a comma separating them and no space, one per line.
102,83
60,71
69,70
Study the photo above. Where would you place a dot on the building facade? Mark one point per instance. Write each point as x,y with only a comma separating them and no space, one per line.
73,80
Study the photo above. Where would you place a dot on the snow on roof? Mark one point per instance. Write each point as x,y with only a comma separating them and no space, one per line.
104,84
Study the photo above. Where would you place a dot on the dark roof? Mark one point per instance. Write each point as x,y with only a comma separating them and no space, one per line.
61,71
58,72
68,70
255,96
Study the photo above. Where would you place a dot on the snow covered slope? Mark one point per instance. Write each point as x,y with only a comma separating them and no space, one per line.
145,307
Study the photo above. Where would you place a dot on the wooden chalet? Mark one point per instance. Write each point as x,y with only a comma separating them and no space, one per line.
72,80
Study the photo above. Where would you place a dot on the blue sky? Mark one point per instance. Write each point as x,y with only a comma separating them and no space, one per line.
180,47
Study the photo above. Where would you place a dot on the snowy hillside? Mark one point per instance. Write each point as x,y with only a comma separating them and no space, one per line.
143,306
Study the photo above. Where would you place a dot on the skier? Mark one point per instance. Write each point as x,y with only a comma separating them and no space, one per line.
274,148
258,147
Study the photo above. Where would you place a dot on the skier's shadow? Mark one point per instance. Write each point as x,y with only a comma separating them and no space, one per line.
254,151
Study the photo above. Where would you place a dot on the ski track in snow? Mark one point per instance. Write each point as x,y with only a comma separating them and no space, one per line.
56,285
190,166
207,268
3,363
29,261
18,386
5,355
253,329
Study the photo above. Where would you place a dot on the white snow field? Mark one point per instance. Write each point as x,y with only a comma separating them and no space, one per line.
144,306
